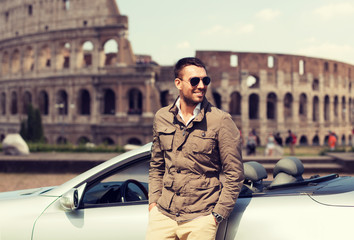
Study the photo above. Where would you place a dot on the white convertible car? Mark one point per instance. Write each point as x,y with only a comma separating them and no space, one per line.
110,202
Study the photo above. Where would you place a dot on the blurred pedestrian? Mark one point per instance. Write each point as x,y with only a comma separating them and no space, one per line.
291,141
332,140
269,150
251,143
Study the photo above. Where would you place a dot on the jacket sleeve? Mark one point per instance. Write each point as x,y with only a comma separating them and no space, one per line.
157,168
230,149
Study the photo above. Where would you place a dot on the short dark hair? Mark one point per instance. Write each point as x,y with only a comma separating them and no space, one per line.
183,62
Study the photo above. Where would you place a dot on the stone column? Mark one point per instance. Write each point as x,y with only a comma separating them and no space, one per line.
121,101
264,131
147,103
244,115
331,111
321,111
280,112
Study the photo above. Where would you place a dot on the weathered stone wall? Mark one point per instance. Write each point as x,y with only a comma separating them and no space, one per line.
276,92
73,60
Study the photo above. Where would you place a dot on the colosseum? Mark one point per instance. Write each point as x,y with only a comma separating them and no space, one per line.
74,62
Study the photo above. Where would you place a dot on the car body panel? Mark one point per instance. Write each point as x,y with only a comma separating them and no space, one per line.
288,217
20,214
111,222
319,208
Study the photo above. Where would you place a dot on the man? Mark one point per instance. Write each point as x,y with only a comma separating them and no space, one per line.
193,142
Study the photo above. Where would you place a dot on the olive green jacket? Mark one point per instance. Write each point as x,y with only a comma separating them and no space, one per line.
186,163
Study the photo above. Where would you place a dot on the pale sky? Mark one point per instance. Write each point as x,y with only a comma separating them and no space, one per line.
169,30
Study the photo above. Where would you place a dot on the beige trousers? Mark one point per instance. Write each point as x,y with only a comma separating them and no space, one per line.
162,227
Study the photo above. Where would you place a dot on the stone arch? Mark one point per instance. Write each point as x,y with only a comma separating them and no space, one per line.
164,98
109,101
253,106
5,63
343,108
66,5
235,103
134,141
350,140
110,52
45,57
316,84
252,81
326,108
61,140
343,140
315,109
15,61
288,106
26,101
326,139
28,63
83,140
84,102
316,140
335,106
217,99
3,103
108,141
14,103
62,102
303,105
271,106
43,102
63,56
135,101
86,54
303,140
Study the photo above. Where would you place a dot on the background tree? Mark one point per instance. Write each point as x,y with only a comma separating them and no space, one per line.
32,128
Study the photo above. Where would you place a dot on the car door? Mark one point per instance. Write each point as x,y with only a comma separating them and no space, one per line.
107,211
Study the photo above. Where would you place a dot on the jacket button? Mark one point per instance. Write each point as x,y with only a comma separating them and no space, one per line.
177,214
178,170
178,193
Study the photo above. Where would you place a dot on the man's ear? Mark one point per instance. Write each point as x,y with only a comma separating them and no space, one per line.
178,83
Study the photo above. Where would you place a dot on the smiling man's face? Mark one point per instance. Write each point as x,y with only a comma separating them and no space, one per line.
189,94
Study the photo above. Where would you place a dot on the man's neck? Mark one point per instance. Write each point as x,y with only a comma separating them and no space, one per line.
187,110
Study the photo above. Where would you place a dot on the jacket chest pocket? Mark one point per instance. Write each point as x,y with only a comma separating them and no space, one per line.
166,138
203,142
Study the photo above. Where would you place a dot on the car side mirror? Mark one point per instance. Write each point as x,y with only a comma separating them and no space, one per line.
70,200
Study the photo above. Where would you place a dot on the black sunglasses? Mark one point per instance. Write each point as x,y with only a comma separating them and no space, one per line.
194,81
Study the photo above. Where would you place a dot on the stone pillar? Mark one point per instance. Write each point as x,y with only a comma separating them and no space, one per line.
244,114
331,110
147,112
280,112
96,104
321,111
121,101
264,131
295,109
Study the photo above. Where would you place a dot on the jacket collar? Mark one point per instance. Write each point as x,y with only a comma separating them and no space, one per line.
203,108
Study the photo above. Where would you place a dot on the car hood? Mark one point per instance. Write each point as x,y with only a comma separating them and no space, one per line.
23,193
338,192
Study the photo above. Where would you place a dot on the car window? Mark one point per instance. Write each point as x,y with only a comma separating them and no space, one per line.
127,185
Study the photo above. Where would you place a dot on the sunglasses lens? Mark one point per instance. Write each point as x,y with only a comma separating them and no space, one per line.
194,81
206,81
